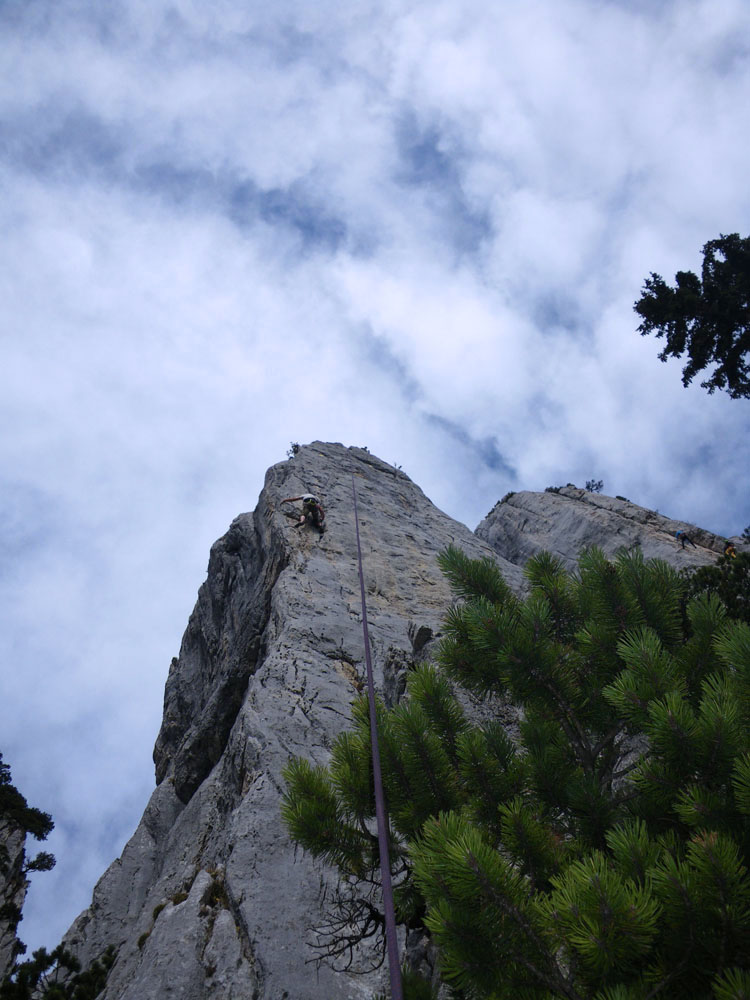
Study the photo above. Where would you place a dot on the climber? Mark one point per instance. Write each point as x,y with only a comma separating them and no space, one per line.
685,537
312,511
729,551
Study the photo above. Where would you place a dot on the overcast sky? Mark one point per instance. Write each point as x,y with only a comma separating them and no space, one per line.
414,226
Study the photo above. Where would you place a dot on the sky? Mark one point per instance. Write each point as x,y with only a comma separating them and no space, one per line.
418,227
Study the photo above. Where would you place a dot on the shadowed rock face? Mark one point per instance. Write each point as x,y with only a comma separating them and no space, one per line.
209,898
13,885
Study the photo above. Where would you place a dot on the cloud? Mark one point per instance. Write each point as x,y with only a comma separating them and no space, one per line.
416,227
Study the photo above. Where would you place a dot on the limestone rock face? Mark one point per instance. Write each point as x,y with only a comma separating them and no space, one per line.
568,520
209,898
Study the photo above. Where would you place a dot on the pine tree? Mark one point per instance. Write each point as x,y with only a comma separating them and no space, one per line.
707,318
15,809
17,817
729,579
600,853
57,975
330,811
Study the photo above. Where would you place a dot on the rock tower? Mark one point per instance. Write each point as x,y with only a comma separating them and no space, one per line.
209,898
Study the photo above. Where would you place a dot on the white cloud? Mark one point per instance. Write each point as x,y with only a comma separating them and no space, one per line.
419,227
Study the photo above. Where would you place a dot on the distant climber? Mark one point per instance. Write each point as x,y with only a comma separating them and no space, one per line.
683,537
729,551
312,511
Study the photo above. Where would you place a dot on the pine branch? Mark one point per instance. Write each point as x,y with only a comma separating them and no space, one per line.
553,980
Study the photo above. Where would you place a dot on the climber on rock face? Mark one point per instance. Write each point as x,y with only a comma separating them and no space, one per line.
312,511
683,536
729,551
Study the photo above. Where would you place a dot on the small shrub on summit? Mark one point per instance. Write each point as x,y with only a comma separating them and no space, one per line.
594,485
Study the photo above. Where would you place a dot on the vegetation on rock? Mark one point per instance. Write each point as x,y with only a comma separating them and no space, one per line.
57,975
15,809
46,975
17,817
729,579
602,851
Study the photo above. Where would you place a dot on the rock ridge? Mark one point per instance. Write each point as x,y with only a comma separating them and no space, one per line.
567,520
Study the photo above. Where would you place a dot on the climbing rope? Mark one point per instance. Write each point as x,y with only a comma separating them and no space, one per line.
380,813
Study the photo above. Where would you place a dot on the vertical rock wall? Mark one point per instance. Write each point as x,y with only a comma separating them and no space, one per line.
209,898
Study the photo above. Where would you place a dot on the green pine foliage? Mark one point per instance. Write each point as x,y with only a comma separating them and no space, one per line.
57,975
729,579
706,318
17,814
600,853
15,808
413,987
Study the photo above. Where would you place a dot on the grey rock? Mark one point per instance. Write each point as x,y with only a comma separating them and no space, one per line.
569,520
271,661
209,898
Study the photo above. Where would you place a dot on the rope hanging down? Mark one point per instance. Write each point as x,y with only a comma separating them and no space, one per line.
380,814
